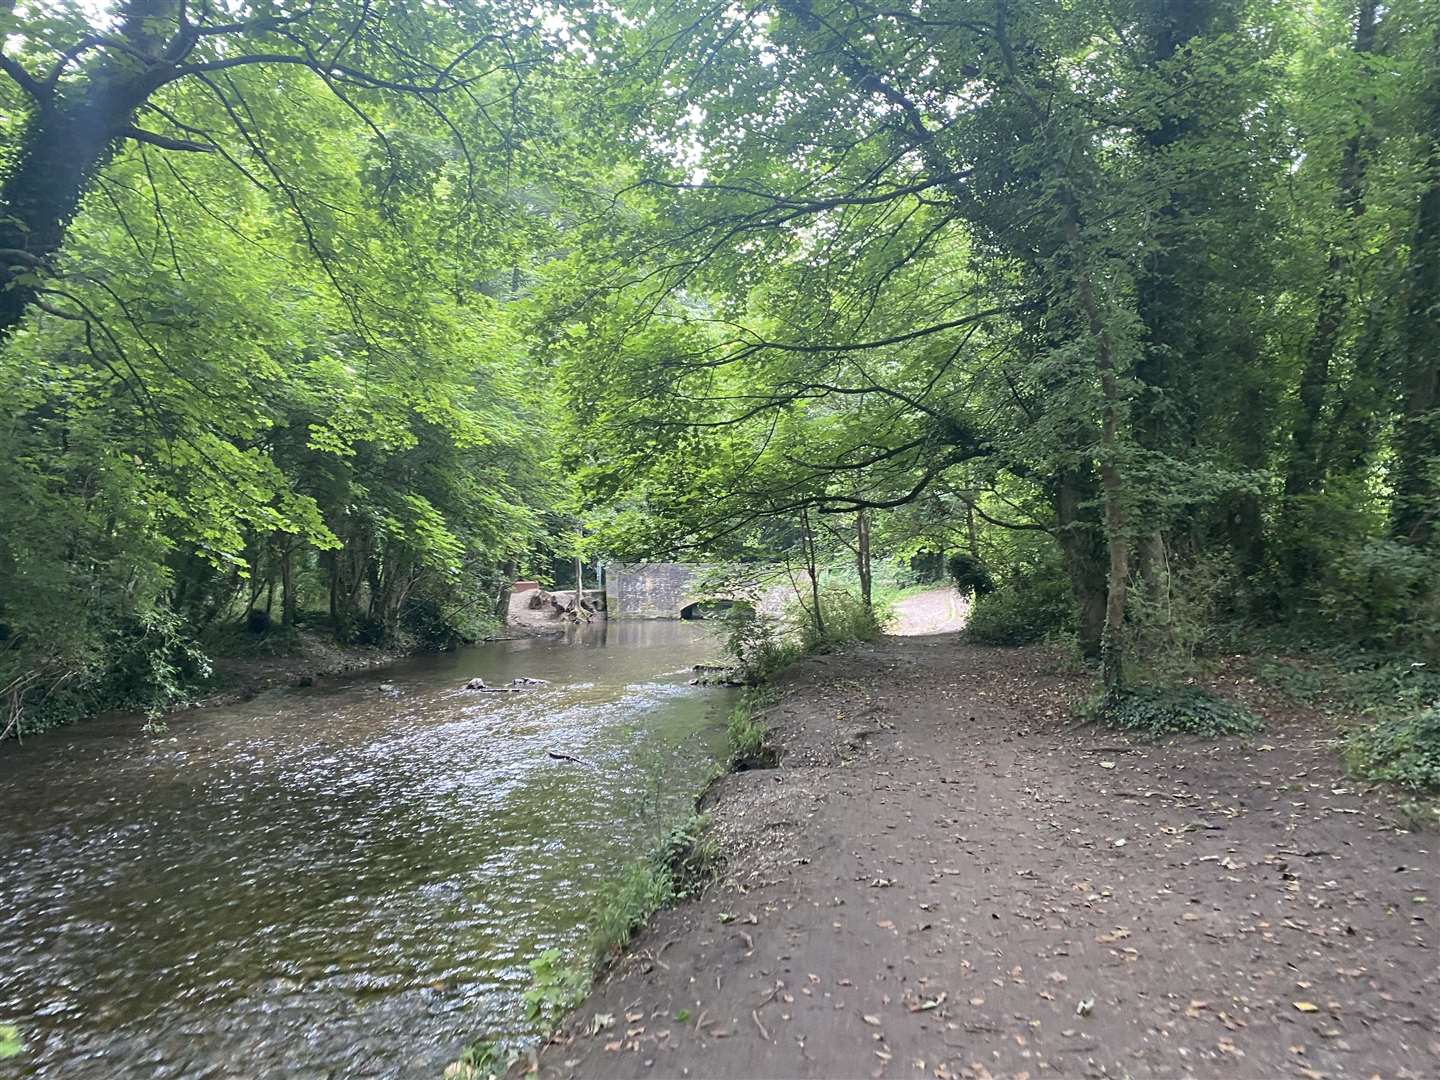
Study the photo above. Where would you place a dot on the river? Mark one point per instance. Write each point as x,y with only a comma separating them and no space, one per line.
347,881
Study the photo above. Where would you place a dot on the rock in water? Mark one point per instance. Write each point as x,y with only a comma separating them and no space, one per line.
525,680
476,683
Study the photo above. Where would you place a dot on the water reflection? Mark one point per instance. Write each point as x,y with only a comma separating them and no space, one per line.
343,881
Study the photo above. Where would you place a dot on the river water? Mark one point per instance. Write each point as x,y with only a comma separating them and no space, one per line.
347,881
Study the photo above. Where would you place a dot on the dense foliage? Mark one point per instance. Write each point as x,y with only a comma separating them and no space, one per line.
278,364
342,312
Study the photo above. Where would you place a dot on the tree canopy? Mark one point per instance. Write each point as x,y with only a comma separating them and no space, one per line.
367,305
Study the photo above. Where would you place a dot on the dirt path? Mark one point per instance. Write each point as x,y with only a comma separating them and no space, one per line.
935,611
946,879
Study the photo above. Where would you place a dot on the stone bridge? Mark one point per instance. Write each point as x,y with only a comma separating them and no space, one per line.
680,590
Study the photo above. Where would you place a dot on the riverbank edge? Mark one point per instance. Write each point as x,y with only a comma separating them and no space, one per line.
322,658
695,864
243,678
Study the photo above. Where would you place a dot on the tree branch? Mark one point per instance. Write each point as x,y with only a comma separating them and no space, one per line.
164,142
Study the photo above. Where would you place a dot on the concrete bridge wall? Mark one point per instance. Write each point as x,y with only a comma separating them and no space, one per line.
665,590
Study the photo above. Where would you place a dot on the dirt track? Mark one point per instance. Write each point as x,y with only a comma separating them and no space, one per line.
946,878
934,611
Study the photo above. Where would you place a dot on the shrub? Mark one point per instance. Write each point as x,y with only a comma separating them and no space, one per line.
1402,750
1384,594
555,988
846,619
483,1060
1031,606
1154,710
756,643
970,575
146,662
1175,618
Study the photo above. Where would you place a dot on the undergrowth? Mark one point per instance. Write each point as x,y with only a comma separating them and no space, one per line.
763,646
481,1060
1378,685
1400,750
1153,710
1398,696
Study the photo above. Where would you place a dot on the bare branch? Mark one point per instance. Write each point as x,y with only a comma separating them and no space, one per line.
165,142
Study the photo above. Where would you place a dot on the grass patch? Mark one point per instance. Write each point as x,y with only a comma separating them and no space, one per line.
676,868
748,735
886,595
482,1060
1184,710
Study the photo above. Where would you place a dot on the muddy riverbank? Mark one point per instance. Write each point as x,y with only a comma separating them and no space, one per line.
946,878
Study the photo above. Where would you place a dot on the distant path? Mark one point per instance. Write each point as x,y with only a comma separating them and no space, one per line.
946,878
941,610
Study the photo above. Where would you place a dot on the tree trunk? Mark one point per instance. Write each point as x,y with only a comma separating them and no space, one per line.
1112,482
1167,288
56,161
579,589
1304,470
1172,280
287,580
1244,522
502,601
812,570
1082,542
69,134
862,557
1117,581
1417,436
334,559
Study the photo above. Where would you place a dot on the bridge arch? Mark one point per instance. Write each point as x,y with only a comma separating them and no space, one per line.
672,591
709,607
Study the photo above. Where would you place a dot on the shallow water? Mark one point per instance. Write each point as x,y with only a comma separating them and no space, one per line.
340,882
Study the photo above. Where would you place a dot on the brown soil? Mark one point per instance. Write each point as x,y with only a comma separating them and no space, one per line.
946,877
317,656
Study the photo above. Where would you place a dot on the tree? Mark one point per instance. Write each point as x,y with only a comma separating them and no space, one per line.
84,90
